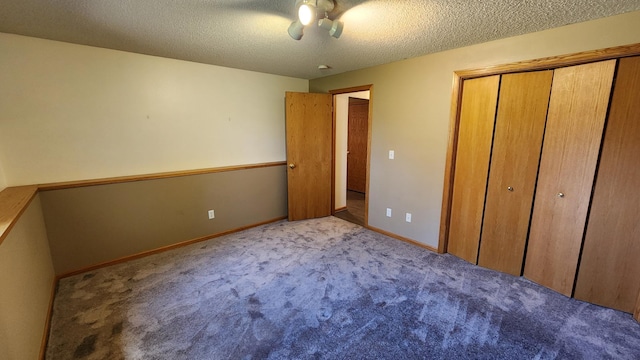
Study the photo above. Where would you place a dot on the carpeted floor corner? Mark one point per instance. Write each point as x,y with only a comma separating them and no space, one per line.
323,289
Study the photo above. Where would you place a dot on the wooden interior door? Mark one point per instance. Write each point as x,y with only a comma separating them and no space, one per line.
475,131
577,111
522,113
309,134
357,144
609,273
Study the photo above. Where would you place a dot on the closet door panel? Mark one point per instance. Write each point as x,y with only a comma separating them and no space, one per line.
609,273
577,111
520,122
475,131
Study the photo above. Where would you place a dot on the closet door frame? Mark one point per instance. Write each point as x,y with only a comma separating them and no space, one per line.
456,101
476,129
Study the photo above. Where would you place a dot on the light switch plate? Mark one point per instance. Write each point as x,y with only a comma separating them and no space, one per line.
388,212
407,217
392,154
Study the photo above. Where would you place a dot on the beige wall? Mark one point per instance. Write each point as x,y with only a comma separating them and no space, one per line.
70,112
342,127
95,224
26,280
411,115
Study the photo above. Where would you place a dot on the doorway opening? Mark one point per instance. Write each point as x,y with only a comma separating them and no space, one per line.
352,138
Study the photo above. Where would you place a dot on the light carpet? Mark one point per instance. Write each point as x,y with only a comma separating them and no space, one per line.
323,289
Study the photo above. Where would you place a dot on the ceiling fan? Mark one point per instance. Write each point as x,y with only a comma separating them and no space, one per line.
324,12
310,11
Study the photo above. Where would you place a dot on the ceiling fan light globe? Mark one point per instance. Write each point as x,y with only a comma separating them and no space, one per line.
306,13
336,29
325,24
296,30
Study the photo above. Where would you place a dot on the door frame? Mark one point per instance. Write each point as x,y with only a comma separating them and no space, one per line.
456,99
342,91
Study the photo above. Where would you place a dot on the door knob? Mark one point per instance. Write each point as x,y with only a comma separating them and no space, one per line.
560,195
292,165
510,188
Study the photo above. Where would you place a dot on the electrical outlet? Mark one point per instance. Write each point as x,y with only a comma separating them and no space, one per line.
211,214
388,212
407,217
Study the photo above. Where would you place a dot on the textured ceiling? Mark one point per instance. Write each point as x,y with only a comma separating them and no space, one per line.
252,34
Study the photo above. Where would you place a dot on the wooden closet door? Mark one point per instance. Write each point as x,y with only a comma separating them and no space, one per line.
522,112
577,111
609,273
475,131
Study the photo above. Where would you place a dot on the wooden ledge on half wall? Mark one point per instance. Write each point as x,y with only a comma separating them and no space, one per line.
153,176
13,202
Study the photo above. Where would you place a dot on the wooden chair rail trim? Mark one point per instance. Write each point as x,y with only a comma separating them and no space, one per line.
153,176
547,63
15,200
